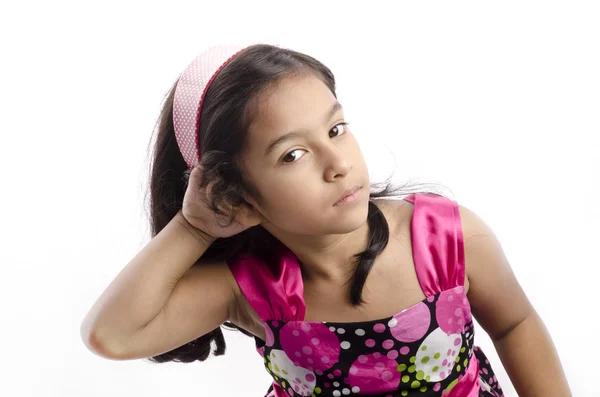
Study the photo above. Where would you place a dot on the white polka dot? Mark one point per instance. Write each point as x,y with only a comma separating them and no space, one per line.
355,389
359,332
336,384
332,329
341,331
346,391
345,345
392,322
337,393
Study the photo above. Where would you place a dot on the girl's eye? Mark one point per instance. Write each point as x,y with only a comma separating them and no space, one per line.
336,130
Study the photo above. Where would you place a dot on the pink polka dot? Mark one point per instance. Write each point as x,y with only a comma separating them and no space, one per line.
436,387
456,341
290,391
404,350
294,337
309,377
330,376
374,375
388,344
337,372
376,354
392,354
379,328
370,342
411,324
362,359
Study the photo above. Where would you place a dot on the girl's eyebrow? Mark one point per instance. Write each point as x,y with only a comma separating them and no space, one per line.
336,106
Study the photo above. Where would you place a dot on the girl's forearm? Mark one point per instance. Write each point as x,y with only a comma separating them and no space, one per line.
531,360
144,285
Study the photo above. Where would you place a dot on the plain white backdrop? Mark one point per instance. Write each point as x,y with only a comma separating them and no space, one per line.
499,102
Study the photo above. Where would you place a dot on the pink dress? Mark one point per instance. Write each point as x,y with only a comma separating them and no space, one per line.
424,350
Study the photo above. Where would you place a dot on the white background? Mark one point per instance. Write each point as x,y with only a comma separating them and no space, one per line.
499,102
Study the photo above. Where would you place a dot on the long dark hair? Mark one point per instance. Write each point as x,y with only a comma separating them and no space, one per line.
228,109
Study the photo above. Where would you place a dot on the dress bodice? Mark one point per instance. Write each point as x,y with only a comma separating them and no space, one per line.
426,349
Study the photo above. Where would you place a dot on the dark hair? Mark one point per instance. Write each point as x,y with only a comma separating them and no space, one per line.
229,106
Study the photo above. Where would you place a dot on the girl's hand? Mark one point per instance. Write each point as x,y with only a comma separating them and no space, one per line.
196,211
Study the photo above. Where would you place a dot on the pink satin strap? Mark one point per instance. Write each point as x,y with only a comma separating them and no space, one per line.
274,288
437,241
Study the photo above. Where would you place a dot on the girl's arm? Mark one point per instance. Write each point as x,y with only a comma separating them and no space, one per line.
502,309
160,301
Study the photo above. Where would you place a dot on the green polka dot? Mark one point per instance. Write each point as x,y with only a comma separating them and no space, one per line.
462,349
318,390
283,383
404,392
273,354
412,368
284,372
277,368
451,385
423,389
466,362
405,379
423,347
270,366
402,367
416,384
436,355
413,359
420,375
428,378
425,360
458,368
435,369
457,359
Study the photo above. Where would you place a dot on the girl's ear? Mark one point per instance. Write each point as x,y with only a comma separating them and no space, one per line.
248,215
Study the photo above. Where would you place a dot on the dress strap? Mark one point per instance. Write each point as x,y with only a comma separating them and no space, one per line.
273,286
437,242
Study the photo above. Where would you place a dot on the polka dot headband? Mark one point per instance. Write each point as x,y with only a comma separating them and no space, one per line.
189,94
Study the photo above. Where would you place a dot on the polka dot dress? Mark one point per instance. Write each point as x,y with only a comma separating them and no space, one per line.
425,350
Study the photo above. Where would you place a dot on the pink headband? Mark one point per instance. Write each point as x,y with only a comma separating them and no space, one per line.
189,94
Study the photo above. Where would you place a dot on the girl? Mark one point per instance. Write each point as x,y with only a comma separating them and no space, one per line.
277,233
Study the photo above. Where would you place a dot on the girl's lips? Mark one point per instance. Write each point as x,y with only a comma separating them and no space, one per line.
349,197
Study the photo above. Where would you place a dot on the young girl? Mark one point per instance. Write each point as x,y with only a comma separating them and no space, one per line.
276,232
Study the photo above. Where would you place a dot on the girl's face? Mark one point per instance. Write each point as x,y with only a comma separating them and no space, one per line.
300,176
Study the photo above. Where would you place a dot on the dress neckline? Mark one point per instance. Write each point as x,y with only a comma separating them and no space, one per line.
379,320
